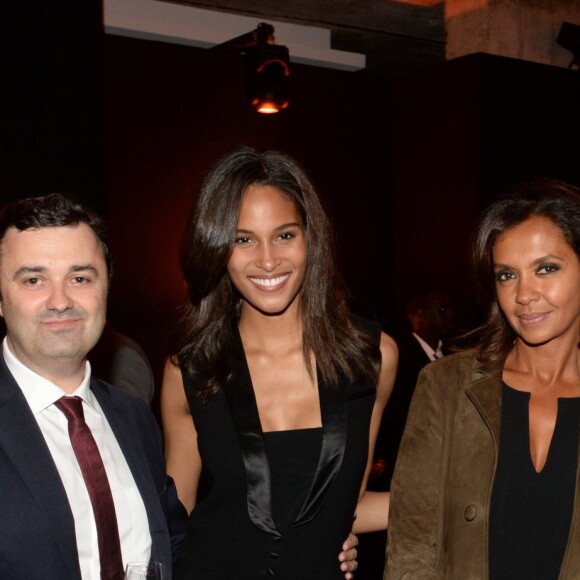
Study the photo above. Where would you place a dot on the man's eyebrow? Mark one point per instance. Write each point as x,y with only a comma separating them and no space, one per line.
24,270
28,270
84,268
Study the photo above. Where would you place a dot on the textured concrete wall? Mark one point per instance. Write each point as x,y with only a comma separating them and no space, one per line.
524,29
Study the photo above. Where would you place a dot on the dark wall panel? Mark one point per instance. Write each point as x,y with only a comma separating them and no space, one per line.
52,117
464,132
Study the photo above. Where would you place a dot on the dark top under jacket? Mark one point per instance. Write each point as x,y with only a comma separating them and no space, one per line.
530,511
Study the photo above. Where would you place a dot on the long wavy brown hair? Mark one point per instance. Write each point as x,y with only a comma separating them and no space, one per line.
550,198
207,329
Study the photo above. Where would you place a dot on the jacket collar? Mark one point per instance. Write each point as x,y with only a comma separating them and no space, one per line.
485,393
244,412
116,412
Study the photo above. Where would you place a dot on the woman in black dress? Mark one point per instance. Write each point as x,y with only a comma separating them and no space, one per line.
487,479
274,389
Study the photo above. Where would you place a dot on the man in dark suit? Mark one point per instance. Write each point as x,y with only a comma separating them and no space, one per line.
83,488
431,318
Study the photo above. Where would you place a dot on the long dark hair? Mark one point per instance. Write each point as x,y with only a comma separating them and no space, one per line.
553,199
207,329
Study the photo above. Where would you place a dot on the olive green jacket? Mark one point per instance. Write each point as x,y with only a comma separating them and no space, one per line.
441,489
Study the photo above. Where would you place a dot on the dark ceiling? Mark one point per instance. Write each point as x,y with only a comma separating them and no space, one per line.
395,36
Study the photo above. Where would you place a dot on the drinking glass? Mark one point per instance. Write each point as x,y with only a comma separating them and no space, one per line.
144,571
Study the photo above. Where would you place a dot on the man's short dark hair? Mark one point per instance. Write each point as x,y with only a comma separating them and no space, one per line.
53,211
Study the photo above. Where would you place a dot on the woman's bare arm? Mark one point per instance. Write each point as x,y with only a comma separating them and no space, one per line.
372,512
182,454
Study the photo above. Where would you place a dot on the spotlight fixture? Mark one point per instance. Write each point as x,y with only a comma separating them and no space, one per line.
569,37
267,68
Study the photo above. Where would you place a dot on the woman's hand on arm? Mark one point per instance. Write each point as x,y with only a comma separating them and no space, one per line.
348,557
182,454
372,512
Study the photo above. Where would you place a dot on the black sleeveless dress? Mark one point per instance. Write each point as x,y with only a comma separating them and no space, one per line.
530,512
245,530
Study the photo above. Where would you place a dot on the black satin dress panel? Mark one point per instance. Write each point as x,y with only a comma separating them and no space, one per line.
530,512
232,534
293,458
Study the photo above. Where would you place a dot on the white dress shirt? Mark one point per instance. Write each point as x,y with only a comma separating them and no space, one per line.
131,514
432,354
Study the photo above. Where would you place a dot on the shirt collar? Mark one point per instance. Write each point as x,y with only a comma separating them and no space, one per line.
432,354
39,392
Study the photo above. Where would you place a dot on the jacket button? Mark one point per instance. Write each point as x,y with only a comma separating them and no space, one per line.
470,513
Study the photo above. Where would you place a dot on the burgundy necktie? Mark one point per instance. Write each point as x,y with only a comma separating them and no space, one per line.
95,476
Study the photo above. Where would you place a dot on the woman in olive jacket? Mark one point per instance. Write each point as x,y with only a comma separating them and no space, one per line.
487,481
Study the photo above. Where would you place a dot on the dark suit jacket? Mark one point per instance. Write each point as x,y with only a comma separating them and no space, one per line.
412,358
37,535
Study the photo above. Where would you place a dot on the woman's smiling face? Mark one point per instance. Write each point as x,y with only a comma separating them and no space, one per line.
538,281
268,262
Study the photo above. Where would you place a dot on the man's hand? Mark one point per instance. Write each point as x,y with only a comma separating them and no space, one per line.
348,557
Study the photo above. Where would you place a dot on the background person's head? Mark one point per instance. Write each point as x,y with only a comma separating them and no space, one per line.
431,316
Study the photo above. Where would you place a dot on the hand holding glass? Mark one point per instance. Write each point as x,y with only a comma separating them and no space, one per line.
144,571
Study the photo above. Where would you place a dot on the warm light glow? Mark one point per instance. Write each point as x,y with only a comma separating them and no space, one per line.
268,108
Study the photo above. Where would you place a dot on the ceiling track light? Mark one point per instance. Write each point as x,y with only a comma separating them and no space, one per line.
267,68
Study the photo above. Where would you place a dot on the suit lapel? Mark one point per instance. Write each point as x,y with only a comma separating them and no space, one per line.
333,410
135,455
420,356
485,393
244,412
24,445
